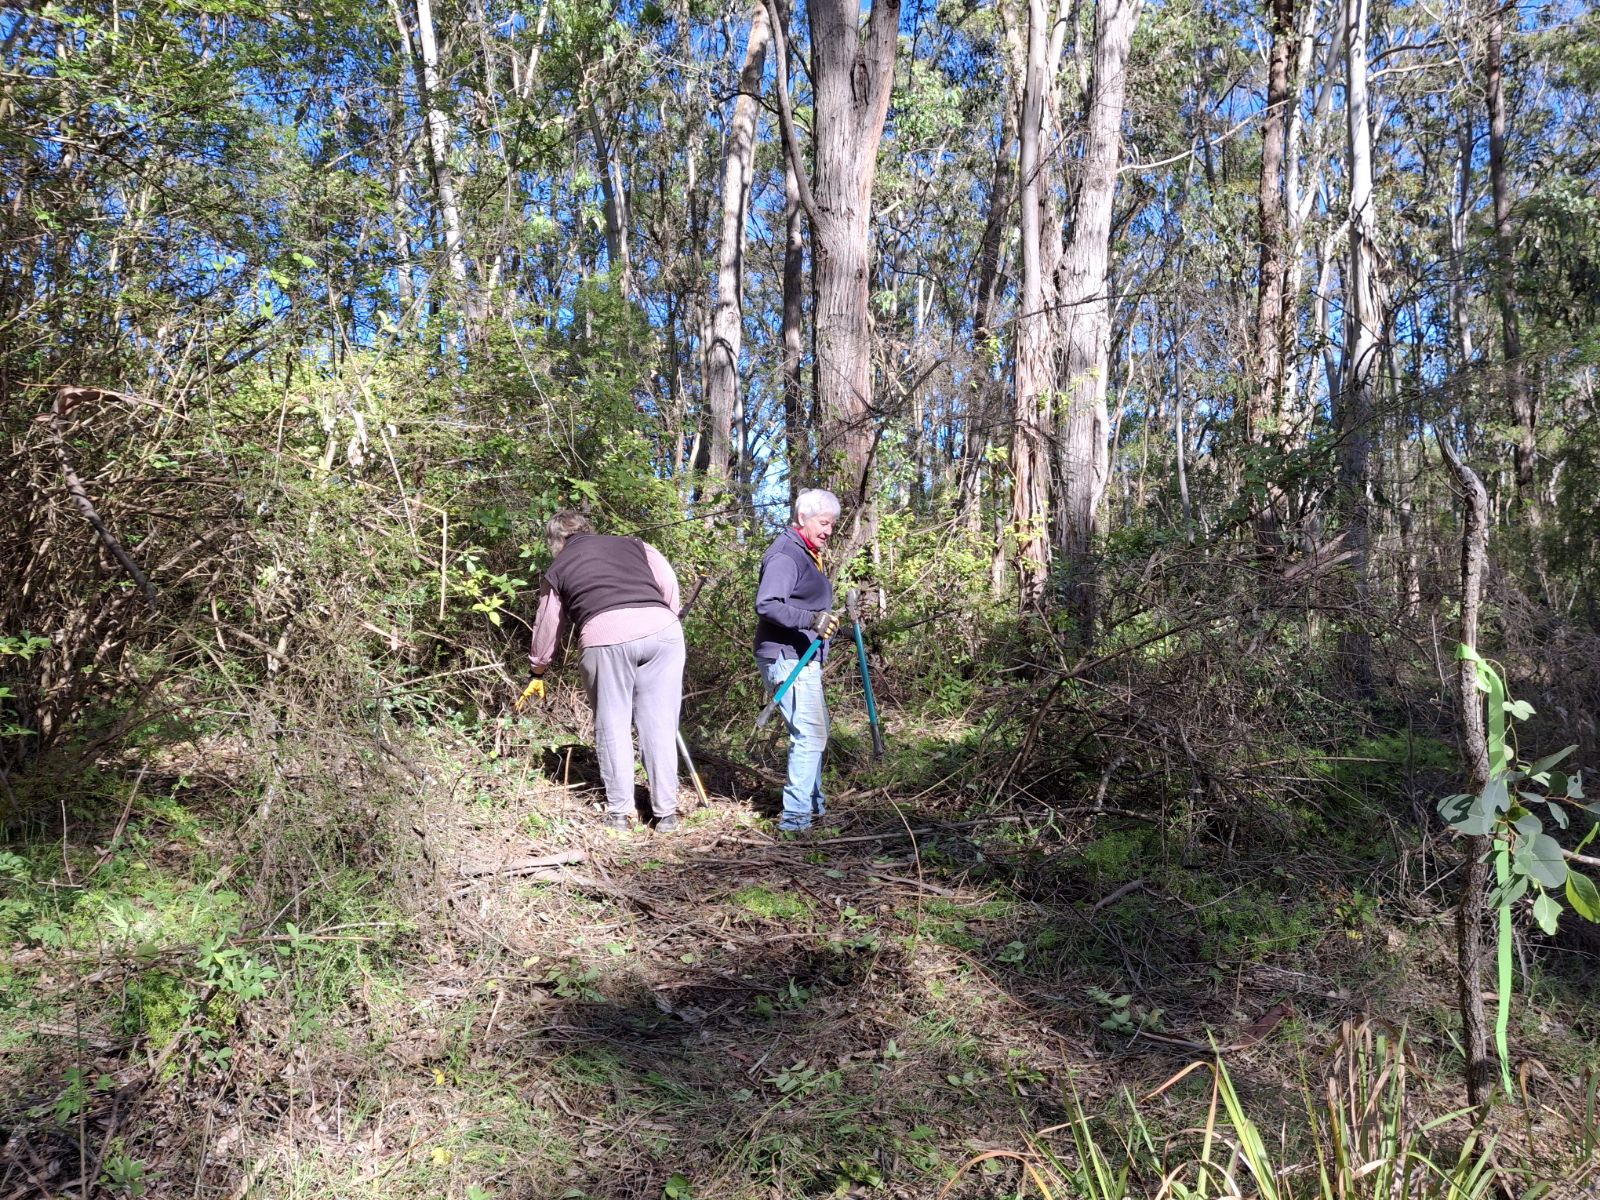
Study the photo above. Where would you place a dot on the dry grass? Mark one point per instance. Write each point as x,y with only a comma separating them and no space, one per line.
715,1013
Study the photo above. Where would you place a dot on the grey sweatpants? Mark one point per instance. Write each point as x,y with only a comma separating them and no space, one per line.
637,683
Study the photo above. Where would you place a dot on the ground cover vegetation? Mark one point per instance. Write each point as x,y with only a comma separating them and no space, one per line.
1212,393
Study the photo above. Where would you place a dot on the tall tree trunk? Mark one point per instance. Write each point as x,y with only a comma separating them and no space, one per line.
852,73
1523,404
614,195
696,318
1269,295
1460,214
1266,398
794,423
1035,360
1181,451
1363,324
727,314
1472,952
438,127
1295,418
400,220
989,391
1083,456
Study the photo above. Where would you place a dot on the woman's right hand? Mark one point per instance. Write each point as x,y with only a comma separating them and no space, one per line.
826,622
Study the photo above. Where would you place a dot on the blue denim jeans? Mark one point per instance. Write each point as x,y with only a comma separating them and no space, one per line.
805,712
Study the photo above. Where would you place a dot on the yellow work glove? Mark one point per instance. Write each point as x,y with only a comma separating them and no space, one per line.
825,624
535,688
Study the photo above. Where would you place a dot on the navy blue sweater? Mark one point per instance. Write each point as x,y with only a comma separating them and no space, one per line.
791,593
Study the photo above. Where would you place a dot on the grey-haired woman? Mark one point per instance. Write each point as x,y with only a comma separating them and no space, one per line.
794,607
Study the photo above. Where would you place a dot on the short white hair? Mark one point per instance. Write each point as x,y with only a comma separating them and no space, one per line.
815,502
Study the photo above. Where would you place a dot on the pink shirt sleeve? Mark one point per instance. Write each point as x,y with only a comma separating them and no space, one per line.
666,578
546,628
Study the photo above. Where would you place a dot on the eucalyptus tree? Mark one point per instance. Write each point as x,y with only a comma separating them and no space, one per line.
727,314
1082,465
1521,396
1272,325
1363,326
431,100
987,391
796,442
852,73
1036,57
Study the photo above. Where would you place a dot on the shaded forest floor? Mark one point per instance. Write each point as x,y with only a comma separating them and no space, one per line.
372,981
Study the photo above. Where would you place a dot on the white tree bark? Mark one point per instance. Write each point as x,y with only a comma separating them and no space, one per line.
1034,363
1363,324
727,314
1301,184
438,126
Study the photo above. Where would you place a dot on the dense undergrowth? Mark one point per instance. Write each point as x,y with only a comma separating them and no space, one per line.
353,984
273,930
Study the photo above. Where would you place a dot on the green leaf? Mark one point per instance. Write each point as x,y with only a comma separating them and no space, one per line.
1520,710
1466,814
1557,815
1496,797
1509,894
1527,824
1476,816
1540,859
1550,760
1503,965
1583,896
1547,912
1499,751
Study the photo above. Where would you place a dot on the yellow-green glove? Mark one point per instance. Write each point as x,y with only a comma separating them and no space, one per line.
535,688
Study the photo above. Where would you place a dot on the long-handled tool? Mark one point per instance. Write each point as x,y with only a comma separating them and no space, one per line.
783,690
852,604
699,788
683,746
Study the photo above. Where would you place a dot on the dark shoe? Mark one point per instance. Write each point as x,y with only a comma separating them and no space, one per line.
667,824
615,821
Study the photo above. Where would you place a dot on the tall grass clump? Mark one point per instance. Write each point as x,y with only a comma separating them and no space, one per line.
1363,1138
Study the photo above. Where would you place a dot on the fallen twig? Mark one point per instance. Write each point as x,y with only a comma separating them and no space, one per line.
1132,885
524,866
1001,819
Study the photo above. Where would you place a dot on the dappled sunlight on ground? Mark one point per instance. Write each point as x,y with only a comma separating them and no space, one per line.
499,998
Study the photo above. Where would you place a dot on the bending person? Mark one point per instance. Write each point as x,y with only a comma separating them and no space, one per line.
794,607
621,596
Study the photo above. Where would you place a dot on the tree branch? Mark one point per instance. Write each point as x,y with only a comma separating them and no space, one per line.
66,399
791,141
